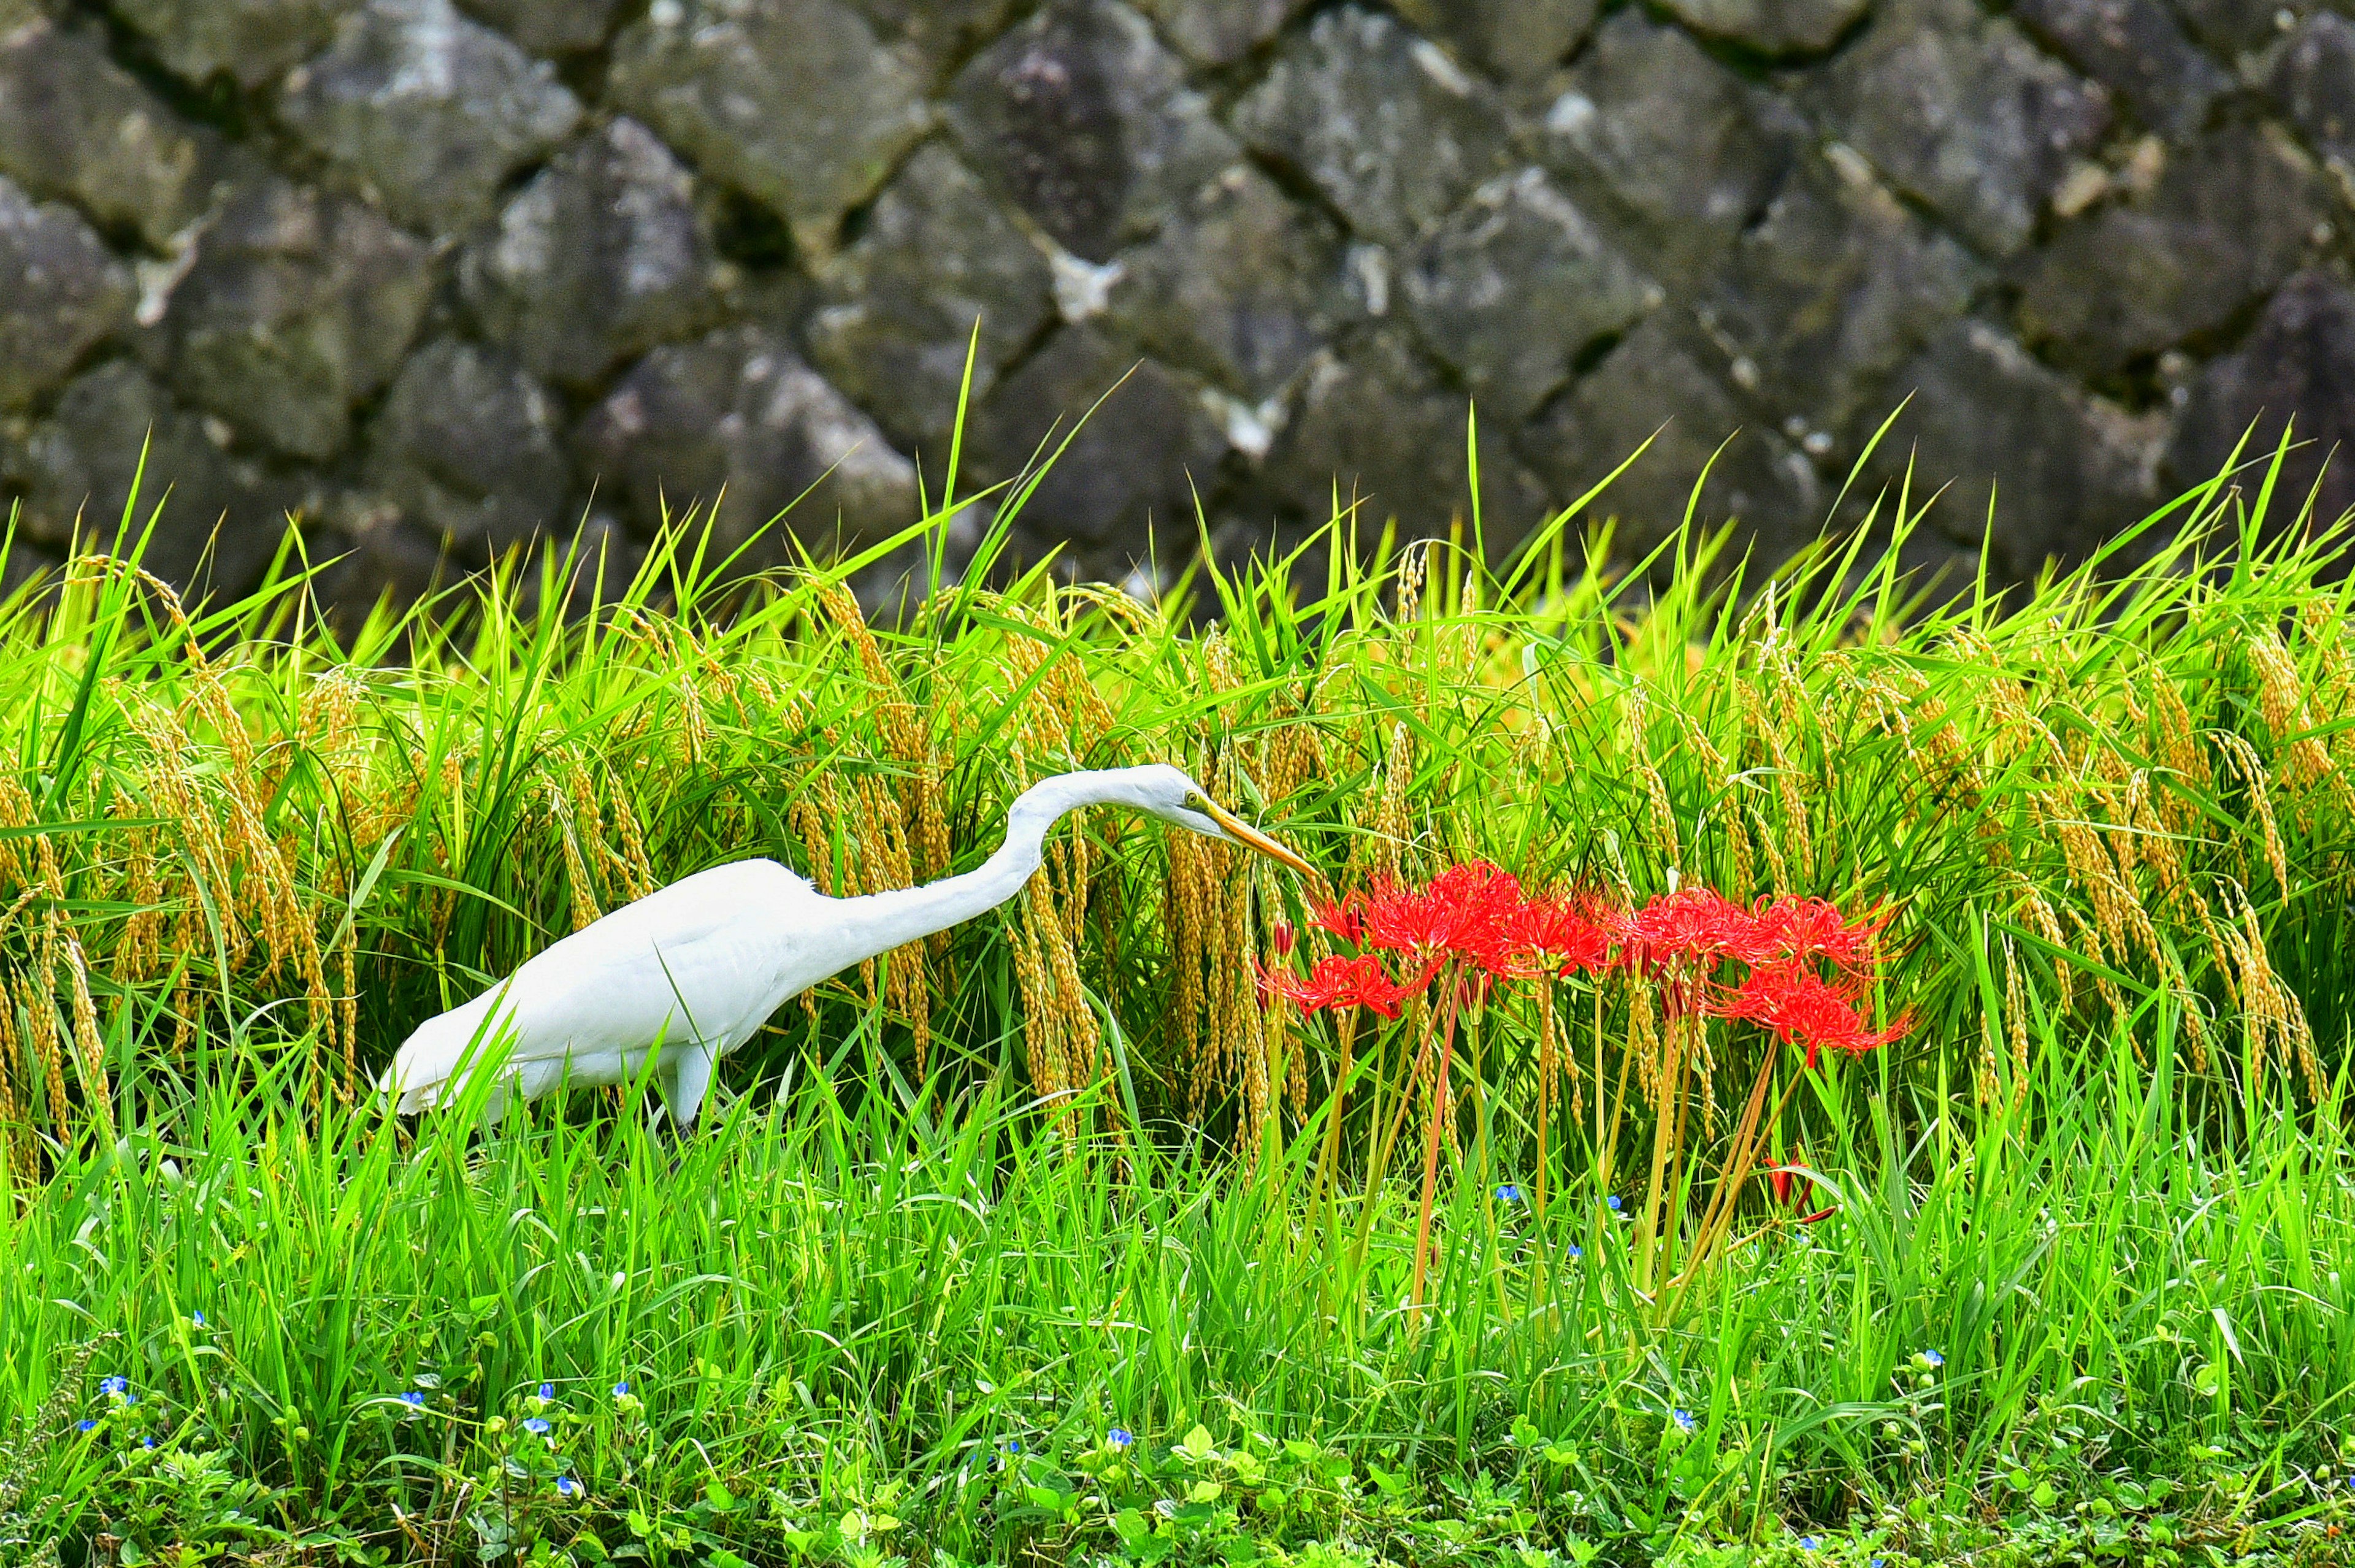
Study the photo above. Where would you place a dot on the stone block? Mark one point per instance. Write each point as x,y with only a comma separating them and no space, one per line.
1519,40
223,512
1239,286
295,305
938,32
2137,50
551,26
1962,111
1391,131
600,258
738,411
1836,287
2299,363
899,306
1131,467
75,124
2227,219
470,446
1515,285
1378,421
2313,80
1084,121
1657,387
1670,138
249,41
1219,32
428,111
793,101
1772,27
66,292
2067,469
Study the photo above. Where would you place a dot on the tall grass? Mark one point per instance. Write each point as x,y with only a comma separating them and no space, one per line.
1061,1170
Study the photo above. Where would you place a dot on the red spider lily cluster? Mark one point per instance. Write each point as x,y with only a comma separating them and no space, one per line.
1806,967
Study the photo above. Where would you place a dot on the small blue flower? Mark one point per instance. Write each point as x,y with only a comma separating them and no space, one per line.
546,1393
1576,1251
567,1488
114,1385
1811,1542
1508,1193
1879,1563
622,1390
535,1425
1683,1418
146,1443
197,1318
1614,1201
413,1398
1934,1358
85,1424
1119,1437
1014,1446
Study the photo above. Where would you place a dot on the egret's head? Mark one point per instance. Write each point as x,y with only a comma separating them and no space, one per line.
1168,793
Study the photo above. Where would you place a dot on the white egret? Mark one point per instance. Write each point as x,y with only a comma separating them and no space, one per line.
691,971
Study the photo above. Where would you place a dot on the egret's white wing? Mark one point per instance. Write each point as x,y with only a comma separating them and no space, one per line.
697,962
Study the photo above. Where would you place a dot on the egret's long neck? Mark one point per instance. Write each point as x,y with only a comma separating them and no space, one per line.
885,921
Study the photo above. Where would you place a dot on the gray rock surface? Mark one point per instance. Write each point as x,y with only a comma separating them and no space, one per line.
550,27
68,292
738,420
1240,285
1519,40
1689,151
471,447
1516,286
1084,121
250,41
2227,221
296,305
222,514
1219,32
600,258
1834,288
2300,363
2138,51
75,124
938,32
1380,423
1771,26
2236,28
1985,414
1962,111
1383,124
792,101
2313,79
900,306
1657,387
430,111
1126,473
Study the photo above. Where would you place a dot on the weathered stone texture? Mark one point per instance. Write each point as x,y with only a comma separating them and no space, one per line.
447,276
429,110
1391,131
737,421
1964,112
68,292
792,101
1085,122
600,257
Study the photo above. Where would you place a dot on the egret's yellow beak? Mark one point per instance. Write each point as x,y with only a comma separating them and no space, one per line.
1244,833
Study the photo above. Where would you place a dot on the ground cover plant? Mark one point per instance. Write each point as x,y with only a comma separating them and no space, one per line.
1137,1224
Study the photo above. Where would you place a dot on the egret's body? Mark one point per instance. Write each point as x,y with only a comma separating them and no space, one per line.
692,971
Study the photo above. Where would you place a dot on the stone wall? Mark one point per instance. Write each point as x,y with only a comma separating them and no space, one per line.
438,275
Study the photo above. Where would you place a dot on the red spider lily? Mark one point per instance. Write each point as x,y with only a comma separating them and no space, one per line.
1457,915
1345,917
1339,982
1804,1008
1693,926
1813,928
1281,934
1790,1194
1553,936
